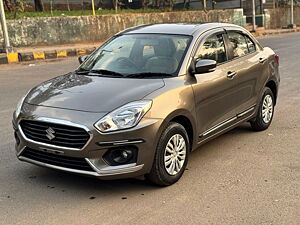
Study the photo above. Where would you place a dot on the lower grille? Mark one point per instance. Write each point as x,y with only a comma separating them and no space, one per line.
57,160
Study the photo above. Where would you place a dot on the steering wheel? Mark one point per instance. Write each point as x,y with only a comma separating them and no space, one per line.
127,61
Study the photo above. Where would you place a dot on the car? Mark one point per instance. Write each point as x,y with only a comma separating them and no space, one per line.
143,101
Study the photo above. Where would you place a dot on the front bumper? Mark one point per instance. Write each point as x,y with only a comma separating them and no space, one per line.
107,171
143,137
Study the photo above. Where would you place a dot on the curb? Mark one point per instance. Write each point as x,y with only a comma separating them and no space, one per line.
275,32
43,55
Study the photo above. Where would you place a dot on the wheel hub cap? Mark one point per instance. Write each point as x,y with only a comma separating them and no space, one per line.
175,154
267,109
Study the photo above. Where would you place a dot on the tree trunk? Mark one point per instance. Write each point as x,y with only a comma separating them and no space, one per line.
39,6
68,5
8,6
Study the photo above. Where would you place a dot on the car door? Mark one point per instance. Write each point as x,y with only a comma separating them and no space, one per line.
214,93
246,65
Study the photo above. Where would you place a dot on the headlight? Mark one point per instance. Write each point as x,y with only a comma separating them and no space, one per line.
19,106
124,117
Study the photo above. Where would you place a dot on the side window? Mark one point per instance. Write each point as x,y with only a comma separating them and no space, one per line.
238,43
251,45
213,48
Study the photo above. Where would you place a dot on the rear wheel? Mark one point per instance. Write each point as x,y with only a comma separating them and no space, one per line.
171,156
265,112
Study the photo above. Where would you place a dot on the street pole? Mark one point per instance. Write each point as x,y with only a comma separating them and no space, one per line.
292,12
4,28
93,7
253,15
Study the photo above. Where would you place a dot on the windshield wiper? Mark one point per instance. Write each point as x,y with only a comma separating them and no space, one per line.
149,74
106,72
99,72
82,71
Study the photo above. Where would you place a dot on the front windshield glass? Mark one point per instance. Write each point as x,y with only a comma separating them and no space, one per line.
140,53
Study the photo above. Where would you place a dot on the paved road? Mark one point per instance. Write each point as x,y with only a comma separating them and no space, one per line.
240,178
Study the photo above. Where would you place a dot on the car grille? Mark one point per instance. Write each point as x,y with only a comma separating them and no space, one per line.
55,134
57,160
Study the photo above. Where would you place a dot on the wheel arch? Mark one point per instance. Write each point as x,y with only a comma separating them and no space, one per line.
273,86
186,123
184,118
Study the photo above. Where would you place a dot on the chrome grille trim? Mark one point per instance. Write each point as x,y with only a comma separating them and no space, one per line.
58,122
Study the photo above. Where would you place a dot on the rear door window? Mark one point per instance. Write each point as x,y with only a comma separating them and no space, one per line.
250,43
238,44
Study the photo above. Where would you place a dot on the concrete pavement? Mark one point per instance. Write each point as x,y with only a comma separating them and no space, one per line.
240,178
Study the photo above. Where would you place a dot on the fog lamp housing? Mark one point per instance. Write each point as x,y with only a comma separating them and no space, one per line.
121,155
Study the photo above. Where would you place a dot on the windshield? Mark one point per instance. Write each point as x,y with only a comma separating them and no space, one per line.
140,53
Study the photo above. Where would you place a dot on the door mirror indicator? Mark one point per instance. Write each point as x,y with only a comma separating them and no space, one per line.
205,65
82,58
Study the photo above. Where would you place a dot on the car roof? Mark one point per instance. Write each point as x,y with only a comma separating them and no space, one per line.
175,28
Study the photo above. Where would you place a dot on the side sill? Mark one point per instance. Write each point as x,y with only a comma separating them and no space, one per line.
226,128
222,124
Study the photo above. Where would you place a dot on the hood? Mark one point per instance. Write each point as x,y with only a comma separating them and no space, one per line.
91,93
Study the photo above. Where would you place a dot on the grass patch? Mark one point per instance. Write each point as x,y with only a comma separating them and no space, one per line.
21,15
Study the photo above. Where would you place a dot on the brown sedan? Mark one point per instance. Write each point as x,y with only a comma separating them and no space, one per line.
139,104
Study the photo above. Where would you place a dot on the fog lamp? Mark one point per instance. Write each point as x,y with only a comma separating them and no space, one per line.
120,156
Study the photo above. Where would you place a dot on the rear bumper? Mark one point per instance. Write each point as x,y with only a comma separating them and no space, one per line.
143,137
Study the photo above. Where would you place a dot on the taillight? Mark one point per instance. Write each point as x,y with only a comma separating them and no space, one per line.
276,59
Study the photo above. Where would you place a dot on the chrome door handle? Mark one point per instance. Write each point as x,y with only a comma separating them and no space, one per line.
262,60
231,74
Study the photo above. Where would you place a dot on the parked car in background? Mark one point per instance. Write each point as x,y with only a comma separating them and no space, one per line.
145,99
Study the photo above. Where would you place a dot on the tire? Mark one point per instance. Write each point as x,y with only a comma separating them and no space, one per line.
161,172
262,121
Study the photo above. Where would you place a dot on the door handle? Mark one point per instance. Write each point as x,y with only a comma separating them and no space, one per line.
231,74
262,60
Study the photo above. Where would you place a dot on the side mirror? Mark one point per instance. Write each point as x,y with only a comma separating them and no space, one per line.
82,58
205,65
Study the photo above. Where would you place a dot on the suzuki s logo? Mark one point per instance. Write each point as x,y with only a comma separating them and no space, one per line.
50,133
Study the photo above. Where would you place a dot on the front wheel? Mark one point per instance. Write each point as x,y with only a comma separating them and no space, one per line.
265,112
171,156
